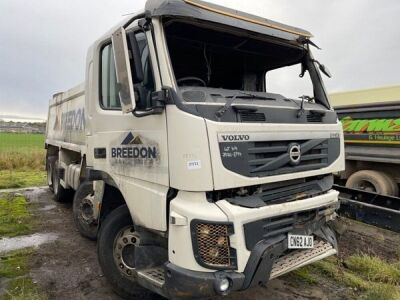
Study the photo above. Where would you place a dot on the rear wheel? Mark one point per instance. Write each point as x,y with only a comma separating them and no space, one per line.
116,253
83,211
373,181
393,183
60,193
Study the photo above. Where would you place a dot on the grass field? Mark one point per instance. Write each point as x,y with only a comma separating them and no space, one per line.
21,142
22,158
369,277
16,220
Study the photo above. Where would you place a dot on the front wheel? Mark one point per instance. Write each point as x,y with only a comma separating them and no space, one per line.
116,253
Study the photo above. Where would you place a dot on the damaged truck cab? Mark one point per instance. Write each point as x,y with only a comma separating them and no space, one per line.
197,176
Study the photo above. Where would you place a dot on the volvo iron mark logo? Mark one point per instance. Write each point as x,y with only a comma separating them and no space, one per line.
294,151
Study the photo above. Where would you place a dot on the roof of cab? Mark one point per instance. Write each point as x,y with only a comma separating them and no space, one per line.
198,9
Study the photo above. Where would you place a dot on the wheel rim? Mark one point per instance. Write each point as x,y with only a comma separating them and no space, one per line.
86,210
124,251
366,186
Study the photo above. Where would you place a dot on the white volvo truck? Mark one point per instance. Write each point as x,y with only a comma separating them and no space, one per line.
196,178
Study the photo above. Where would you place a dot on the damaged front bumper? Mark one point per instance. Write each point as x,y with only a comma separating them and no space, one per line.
269,259
261,241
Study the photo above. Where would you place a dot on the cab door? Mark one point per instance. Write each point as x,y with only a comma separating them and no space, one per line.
128,146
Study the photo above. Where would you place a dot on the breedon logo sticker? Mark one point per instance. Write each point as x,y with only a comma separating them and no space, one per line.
136,149
72,120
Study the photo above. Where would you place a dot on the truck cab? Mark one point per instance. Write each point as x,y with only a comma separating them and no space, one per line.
196,176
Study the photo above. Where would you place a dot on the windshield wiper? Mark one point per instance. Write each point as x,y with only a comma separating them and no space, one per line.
301,111
253,96
243,95
220,112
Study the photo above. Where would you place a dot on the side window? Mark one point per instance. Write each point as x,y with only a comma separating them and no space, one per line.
145,88
109,97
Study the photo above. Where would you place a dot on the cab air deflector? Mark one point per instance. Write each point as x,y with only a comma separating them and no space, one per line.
218,14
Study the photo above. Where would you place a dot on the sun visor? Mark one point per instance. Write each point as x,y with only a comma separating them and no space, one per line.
198,9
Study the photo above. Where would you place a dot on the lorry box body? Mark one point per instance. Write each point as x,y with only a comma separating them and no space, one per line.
368,96
195,179
371,125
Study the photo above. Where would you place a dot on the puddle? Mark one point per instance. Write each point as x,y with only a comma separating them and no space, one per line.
20,242
34,194
48,207
27,189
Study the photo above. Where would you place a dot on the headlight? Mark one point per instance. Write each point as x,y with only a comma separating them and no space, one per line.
211,244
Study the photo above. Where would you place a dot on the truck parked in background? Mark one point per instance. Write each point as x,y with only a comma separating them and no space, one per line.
371,125
196,176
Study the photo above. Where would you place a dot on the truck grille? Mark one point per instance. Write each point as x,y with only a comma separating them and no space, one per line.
281,192
271,227
266,158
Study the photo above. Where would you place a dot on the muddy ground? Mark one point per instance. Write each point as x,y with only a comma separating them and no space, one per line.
67,268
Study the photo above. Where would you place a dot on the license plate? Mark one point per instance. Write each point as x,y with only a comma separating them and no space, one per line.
300,241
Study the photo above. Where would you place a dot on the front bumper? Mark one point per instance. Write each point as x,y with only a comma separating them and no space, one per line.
253,225
260,239
268,260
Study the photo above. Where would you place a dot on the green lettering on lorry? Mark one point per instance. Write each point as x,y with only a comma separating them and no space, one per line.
373,125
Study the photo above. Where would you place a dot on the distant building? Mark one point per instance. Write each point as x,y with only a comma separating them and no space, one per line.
18,127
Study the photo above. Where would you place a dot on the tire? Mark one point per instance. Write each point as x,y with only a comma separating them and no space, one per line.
373,181
49,170
393,183
82,210
60,193
114,224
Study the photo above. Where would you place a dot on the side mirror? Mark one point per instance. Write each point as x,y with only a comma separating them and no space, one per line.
123,70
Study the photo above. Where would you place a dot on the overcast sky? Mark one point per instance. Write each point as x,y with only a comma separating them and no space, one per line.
43,43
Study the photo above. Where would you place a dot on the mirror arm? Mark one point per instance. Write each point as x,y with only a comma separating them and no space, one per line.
131,20
158,101
144,24
316,61
308,42
144,113
322,68
303,69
